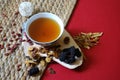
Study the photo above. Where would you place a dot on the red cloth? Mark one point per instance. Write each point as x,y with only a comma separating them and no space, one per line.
102,61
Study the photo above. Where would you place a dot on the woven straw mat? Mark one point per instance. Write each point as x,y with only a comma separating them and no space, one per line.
12,66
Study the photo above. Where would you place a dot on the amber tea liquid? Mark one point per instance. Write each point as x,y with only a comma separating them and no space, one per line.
44,30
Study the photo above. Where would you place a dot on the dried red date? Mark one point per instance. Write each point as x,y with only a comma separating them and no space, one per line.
11,40
14,36
17,43
18,34
23,40
8,48
15,46
66,40
29,41
12,32
12,50
4,15
0,30
18,69
6,54
1,46
20,39
1,27
8,45
17,39
4,39
14,24
19,65
16,13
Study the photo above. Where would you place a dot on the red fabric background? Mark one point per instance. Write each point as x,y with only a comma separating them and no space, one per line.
103,60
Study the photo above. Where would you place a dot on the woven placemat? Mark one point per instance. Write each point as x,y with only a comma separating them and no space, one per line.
12,59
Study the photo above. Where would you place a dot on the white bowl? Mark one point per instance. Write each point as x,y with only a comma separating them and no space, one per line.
44,15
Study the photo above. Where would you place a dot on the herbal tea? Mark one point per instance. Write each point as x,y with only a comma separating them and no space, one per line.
44,30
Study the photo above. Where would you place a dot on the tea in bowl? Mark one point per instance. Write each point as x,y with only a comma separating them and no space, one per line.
44,28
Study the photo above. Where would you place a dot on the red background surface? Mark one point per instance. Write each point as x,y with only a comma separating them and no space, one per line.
103,60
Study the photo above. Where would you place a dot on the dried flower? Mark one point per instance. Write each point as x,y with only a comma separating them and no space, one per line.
87,40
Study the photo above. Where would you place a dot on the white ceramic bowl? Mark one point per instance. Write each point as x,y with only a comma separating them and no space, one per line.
44,15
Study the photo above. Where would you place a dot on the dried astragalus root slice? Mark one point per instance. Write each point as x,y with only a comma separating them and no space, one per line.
30,62
50,53
26,9
42,63
33,52
43,50
30,48
87,40
35,56
48,59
